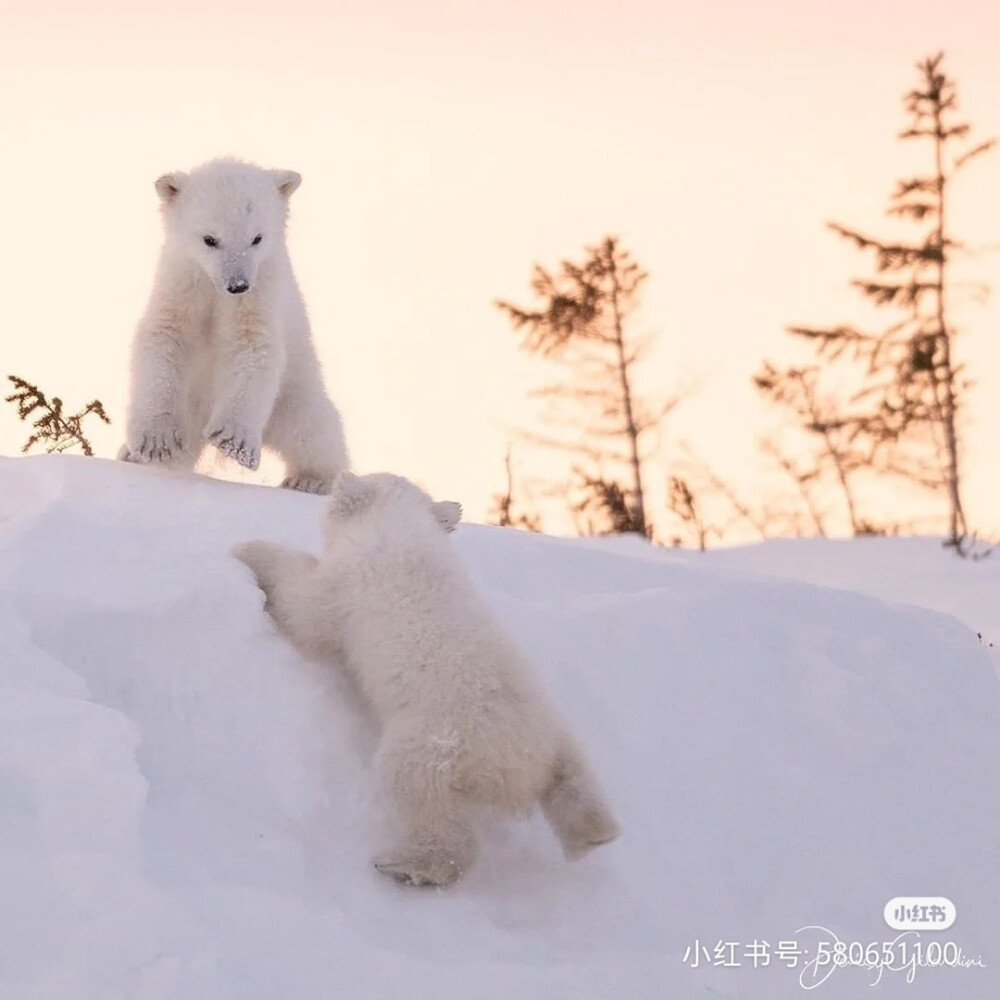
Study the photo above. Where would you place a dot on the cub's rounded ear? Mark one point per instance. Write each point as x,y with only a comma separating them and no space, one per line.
287,182
447,513
169,186
350,495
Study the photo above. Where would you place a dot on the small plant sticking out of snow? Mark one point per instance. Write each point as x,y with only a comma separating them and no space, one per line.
55,431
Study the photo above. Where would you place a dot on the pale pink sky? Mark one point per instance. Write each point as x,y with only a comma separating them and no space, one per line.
445,147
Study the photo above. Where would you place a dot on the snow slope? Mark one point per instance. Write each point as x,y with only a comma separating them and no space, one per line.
908,570
186,810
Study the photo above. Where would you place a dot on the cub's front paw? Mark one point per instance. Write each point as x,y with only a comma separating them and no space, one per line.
258,556
307,484
236,441
156,440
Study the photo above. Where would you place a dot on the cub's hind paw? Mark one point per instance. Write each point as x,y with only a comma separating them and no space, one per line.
419,869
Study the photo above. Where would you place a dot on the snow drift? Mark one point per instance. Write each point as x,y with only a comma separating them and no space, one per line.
916,571
186,809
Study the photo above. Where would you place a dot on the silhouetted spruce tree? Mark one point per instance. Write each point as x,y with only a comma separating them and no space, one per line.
904,417
607,499
582,321
52,428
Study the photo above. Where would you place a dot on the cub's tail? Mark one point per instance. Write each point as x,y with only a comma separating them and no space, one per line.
575,807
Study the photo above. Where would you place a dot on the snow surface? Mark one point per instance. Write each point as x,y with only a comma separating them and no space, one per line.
908,570
187,813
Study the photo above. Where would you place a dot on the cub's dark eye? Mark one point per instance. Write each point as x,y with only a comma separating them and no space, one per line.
256,239
210,241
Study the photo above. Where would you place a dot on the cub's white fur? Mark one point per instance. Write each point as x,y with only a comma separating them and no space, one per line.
463,724
223,353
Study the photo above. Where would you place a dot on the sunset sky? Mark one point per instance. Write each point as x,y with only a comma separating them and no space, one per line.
447,146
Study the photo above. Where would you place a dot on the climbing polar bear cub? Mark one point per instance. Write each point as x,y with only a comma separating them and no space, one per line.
463,724
223,353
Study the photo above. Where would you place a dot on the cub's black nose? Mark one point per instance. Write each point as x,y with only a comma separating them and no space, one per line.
237,287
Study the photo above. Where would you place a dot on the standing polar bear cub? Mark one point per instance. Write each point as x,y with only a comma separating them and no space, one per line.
223,353
463,724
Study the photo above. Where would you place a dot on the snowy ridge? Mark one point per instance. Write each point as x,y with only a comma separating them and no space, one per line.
186,808
918,571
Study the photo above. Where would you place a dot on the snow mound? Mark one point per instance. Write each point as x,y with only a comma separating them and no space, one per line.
186,808
916,571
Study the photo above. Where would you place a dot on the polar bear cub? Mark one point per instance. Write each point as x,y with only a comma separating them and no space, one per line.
463,724
223,353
